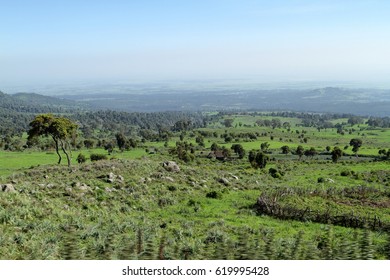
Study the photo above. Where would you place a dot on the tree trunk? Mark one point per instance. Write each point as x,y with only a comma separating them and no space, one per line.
57,151
68,157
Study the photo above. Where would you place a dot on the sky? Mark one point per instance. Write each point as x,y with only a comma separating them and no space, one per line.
48,42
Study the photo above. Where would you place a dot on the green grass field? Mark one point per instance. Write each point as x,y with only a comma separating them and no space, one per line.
210,209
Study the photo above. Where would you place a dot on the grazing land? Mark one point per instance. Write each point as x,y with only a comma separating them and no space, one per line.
239,185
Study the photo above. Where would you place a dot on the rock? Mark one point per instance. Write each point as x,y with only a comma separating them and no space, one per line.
111,177
8,188
329,180
171,166
234,176
224,181
120,178
85,188
169,179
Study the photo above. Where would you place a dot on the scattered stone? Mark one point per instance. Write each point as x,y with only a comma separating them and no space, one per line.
111,178
224,181
171,166
84,187
329,180
8,188
120,178
68,190
50,186
234,176
169,179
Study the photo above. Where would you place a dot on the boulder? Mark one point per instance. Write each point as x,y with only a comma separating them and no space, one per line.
223,181
171,166
8,188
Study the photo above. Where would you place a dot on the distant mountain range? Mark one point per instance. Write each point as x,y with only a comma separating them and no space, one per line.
36,103
371,102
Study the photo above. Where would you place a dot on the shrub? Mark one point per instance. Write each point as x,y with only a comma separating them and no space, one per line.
214,194
275,173
345,173
96,157
81,158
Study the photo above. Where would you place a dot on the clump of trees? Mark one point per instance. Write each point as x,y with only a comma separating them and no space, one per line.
258,159
239,150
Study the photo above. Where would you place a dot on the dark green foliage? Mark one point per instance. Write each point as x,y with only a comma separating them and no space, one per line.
285,149
81,158
310,152
239,150
264,146
300,151
258,159
356,144
60,129
320,180
95,157
275,173
337,153
214,194
345,173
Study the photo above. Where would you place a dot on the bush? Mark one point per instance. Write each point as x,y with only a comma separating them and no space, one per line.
214,194
81,158
95,157
345,173
275,173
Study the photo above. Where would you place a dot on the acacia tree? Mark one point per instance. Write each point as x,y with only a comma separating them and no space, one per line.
60,129
356,144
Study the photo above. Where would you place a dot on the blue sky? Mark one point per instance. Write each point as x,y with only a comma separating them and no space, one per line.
48,42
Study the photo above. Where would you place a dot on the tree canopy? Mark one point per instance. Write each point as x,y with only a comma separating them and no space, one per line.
60,129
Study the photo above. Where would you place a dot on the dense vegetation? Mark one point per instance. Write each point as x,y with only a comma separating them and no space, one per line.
173,185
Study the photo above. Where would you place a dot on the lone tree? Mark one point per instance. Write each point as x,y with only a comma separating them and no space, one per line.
356,144
336,154
61,130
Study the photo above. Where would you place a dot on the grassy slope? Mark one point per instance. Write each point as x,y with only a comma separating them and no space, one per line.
51,208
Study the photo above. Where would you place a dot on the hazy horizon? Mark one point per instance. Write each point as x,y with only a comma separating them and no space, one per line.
48,43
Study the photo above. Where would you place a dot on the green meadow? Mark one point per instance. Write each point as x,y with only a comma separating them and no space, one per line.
128,206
